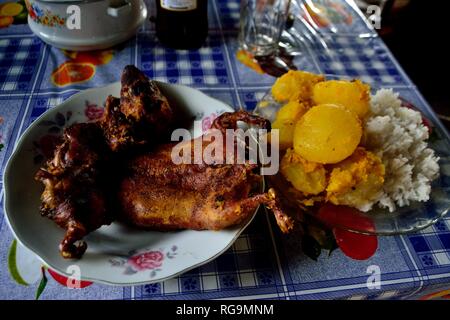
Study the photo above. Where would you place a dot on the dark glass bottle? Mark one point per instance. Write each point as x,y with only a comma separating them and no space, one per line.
182,24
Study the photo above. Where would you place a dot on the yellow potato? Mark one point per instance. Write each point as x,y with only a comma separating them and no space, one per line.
292,111
307,177
295,85
285,133
285,122
327,134
353,95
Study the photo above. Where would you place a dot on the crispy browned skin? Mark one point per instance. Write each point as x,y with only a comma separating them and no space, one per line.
161,195
229,120
78,178
141,99
75,186
118,130
141,116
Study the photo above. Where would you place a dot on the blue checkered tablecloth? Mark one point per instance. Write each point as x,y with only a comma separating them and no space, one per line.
262,263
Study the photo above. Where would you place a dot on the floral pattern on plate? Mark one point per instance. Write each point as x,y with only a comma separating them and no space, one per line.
144,261
46,144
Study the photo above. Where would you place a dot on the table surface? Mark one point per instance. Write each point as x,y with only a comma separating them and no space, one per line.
262,263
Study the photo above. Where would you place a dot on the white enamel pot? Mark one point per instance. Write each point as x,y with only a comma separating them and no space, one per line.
86,24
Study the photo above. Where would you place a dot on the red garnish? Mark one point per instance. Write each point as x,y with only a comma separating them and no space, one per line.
354,245
345,217
63,280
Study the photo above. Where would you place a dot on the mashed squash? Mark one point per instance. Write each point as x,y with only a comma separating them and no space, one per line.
305,176
357,181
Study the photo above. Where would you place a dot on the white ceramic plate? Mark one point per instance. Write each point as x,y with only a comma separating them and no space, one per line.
116,254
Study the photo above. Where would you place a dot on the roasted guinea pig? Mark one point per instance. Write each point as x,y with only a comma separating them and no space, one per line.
79,177
76,184
160,195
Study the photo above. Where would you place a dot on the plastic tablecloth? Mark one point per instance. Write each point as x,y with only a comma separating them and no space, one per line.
262,263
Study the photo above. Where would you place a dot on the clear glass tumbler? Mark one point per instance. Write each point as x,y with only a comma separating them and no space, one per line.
261,24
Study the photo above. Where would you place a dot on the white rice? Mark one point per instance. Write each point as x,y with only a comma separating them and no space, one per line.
397,135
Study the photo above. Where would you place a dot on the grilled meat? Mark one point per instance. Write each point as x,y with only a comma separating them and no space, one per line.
76,181
160,195
142,115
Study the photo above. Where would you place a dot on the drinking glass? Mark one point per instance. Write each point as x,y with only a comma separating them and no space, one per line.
261,24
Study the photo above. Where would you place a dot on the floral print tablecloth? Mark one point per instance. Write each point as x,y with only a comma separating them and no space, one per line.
262,263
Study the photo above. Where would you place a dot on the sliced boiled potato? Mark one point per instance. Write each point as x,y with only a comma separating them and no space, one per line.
352,95
285,133
291,111
285,122
307,177
327,134
295,85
